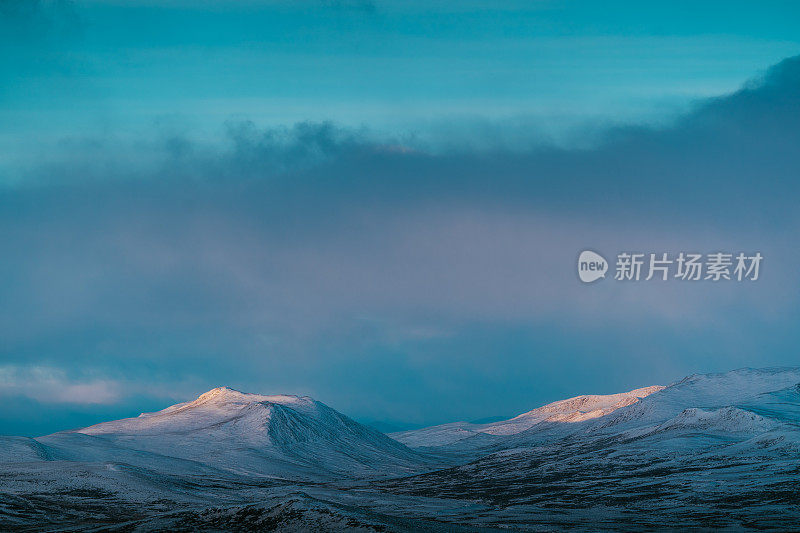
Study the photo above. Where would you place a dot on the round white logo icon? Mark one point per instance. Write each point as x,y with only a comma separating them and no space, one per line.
591,266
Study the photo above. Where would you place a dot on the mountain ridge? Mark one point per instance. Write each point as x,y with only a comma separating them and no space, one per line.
575,409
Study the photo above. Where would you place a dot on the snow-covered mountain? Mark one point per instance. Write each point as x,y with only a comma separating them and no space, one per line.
709,451
575,409
283,436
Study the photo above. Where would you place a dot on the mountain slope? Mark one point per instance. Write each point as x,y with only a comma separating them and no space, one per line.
20,449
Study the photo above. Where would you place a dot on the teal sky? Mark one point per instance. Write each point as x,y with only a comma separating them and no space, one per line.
76,68
380,204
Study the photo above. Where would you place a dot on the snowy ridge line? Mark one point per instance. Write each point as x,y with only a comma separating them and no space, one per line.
576,409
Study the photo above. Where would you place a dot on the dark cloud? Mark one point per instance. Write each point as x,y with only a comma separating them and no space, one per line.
307,254
736,150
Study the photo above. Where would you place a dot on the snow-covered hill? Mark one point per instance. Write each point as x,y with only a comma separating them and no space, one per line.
709,391
283,436
575,409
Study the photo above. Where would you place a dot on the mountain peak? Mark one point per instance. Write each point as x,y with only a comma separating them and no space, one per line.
224,395
218,391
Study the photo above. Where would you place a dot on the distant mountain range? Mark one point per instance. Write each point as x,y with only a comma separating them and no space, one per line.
710,451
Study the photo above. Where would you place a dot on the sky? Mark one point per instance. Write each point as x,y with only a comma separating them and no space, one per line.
381,204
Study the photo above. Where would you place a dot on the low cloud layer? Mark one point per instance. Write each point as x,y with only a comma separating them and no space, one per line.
51,385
